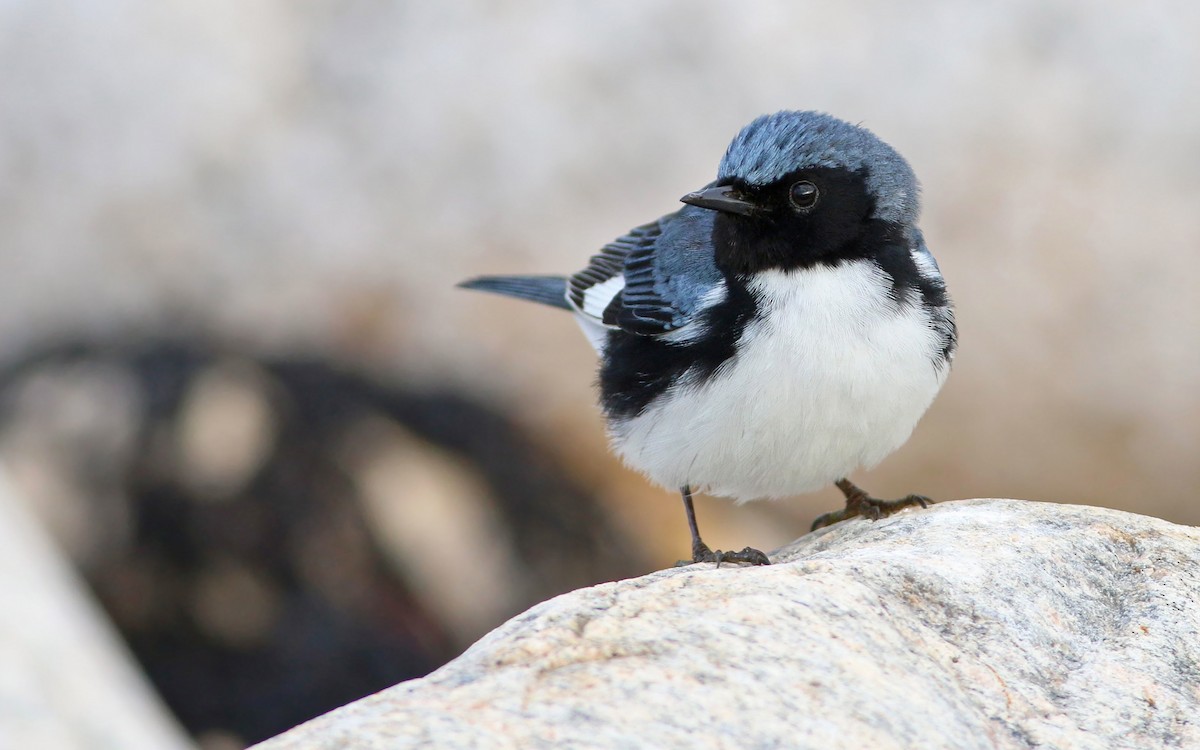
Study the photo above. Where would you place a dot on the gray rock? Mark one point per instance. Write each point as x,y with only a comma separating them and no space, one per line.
974,624
66,680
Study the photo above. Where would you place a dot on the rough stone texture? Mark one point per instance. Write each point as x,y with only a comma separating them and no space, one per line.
66,682
974,624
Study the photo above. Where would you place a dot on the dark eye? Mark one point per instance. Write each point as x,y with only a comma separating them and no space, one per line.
804,195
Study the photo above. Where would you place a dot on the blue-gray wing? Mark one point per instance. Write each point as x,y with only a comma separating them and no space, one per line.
653,280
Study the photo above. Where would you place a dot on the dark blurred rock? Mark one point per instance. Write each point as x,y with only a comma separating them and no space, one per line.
276,537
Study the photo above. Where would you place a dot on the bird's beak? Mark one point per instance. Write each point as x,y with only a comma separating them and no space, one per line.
722,198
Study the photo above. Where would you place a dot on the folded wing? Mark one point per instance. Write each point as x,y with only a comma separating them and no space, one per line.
653,280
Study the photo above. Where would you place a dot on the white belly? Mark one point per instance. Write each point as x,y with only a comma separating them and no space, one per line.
833,378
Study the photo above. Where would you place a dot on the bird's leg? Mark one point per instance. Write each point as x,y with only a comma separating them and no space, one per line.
700,550
859,503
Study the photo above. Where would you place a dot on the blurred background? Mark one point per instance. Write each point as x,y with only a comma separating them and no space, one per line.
296,465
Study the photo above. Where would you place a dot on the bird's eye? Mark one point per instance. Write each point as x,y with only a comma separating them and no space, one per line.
804,196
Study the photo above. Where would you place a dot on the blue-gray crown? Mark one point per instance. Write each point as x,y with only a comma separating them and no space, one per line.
774,145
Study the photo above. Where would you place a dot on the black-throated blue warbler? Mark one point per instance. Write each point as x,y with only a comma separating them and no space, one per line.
785,328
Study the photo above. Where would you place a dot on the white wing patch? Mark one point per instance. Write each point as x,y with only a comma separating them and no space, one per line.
597,298
925,263
596,333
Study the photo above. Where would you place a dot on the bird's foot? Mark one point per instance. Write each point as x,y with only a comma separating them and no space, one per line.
701,553
859,503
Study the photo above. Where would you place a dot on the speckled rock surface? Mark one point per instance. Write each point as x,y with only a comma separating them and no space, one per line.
973,624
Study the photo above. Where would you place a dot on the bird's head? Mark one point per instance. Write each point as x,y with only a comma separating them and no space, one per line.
797,189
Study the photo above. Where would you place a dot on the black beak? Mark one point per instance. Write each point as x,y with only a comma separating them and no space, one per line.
722,198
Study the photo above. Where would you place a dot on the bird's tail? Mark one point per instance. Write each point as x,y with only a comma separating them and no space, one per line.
548,290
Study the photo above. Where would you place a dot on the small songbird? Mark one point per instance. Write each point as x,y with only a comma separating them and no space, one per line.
785,328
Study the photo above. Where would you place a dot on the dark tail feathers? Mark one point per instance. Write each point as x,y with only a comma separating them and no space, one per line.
548,290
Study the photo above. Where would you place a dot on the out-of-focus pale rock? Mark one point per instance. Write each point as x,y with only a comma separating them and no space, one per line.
66,682
974,624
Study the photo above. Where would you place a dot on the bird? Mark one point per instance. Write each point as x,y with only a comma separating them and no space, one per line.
786,327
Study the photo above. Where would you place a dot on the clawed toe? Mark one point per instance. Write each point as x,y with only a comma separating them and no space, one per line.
921,500
859,503
884,508
829,519
750,556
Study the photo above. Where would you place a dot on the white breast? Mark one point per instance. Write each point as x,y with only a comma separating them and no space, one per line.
831,377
